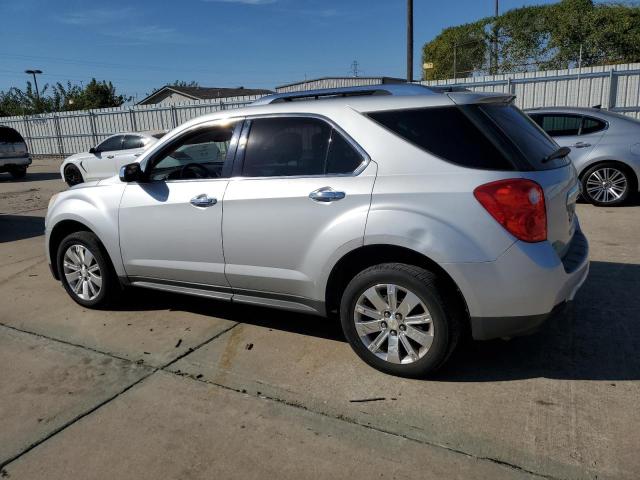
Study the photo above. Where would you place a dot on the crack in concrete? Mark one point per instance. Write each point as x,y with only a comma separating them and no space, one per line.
164,368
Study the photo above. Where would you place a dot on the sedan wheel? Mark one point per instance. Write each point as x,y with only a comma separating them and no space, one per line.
393,323
72,175
606,185
82,272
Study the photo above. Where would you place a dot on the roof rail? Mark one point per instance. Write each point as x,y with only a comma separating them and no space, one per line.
400,89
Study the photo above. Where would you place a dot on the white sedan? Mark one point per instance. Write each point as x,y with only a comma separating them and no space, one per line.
106,158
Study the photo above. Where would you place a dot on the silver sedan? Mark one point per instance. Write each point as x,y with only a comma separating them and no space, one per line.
605,149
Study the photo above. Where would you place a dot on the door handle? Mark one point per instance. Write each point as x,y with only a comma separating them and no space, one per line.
137,154
581,145
326,194
203,200
110,156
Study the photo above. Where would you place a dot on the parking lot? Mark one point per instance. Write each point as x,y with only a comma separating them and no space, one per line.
167,386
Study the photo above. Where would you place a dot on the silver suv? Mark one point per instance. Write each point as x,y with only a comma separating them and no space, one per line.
413,215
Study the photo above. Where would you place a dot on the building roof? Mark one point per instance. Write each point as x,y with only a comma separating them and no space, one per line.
205,93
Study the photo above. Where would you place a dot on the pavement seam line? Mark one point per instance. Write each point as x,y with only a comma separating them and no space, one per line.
367,426
164,368
82,415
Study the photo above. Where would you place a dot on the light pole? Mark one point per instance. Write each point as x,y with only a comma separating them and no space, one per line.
35,82
409,40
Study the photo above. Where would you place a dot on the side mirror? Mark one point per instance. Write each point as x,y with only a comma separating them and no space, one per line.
130,173
93,150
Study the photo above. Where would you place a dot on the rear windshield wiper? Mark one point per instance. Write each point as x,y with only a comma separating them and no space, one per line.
559,153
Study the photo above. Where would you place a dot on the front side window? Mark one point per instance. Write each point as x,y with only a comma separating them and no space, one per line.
111,144
198,154
132,141
297,146
559,125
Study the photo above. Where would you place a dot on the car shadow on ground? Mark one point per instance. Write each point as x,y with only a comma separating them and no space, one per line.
31,177
597,338
19,227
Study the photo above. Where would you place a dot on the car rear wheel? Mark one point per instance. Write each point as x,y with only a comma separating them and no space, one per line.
395,318
18,172
85,271
72,175
606,184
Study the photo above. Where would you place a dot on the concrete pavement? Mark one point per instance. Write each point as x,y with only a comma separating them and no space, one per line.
183,387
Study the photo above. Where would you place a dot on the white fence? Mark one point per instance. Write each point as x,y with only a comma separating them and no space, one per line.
65,133
614,87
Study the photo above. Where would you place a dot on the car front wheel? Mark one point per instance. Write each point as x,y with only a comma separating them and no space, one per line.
85,271
606,184
395,318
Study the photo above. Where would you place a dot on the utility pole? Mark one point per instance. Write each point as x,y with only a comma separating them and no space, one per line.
493,67
35,82
409,40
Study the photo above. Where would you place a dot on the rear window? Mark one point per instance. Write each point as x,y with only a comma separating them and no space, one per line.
481,136
9,135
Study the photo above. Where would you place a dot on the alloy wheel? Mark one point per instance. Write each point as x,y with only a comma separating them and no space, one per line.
606,185
393,323
82,272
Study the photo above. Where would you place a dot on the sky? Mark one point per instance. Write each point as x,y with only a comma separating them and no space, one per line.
144,44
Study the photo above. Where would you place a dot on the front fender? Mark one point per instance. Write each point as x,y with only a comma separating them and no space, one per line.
97,209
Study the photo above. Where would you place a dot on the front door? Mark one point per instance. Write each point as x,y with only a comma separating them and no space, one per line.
101,163
300,193
170,223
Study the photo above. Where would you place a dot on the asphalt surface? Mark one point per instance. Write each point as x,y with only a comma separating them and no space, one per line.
178,387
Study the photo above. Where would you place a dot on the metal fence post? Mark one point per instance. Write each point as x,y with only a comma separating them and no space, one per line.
27,129
132,118
613,88
174,116
56,124
92,122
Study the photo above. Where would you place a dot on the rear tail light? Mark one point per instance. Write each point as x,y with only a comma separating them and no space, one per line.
518,205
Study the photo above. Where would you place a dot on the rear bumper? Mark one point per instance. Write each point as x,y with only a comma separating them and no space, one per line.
516,293
7,163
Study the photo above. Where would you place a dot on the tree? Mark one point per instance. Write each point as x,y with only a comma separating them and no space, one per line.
538,37
59,97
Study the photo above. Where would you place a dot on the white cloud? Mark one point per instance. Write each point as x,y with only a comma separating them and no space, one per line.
245,2
97,16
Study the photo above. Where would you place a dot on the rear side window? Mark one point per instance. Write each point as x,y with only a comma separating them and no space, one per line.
132,141
9,135
591,125
559,125
482,136
296,146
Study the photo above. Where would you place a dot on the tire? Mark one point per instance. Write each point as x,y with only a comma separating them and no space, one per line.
72,175
101,281
18,172
619,179
444,327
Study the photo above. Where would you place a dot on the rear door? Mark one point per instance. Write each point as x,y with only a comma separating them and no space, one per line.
300,193
577,132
